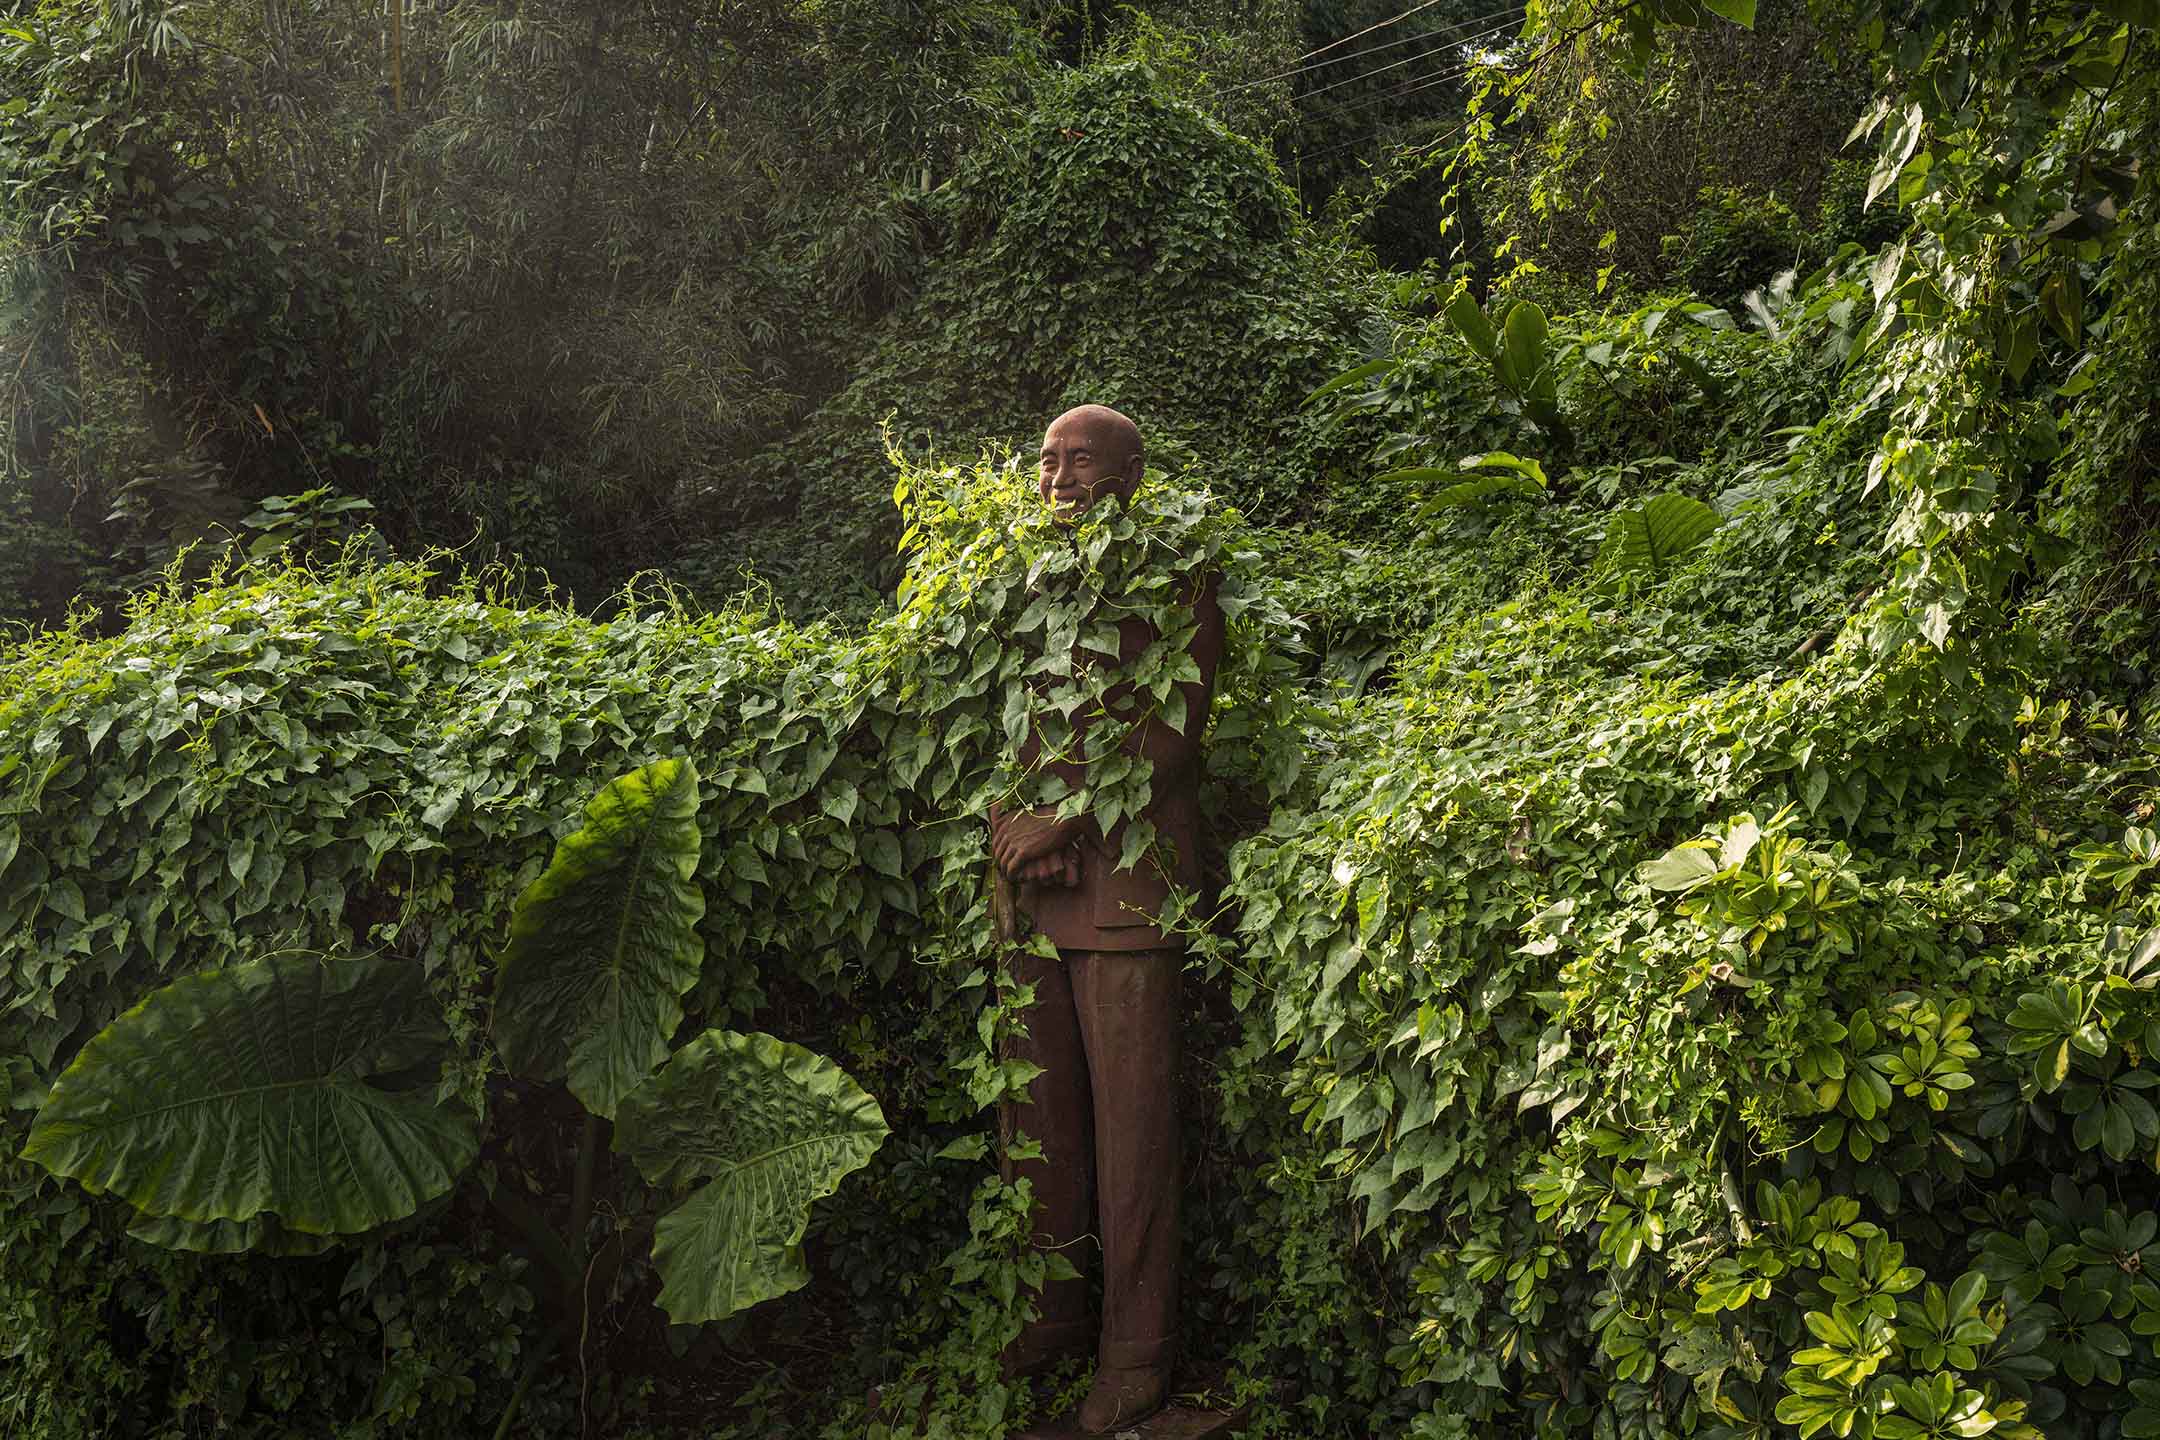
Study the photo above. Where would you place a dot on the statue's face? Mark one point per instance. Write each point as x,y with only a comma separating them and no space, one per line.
1084,458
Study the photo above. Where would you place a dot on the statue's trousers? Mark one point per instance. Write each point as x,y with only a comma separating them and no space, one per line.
1104,1028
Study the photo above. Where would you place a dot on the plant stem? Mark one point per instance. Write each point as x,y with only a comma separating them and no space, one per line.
539,1356
581,1202
581,1183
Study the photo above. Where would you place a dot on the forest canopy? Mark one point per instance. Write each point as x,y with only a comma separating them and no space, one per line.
1680,952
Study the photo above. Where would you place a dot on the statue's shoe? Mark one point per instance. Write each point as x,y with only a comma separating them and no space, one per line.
1123,1397
1043,1344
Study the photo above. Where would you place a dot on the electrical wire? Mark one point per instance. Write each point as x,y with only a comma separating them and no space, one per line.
1423,82
1508,12
1382,25
1415,83
1441,48
1319,155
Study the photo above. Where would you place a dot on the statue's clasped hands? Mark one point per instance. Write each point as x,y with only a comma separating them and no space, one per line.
1036,849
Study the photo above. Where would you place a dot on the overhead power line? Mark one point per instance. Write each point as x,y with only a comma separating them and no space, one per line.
1417,83
1442,48
1391,20
1440,139
1423,81
1302,69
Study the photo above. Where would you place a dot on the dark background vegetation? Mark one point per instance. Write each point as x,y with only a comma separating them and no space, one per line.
612,288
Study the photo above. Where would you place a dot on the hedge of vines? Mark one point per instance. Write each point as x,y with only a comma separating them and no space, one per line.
1590,1041
361,761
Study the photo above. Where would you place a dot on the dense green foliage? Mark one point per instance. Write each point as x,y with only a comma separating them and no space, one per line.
840,834
1683,934
1114,247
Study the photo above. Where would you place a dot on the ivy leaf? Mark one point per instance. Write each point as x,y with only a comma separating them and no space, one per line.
605,942
286,1087
1681,868
761,1128
2062,300
1898,146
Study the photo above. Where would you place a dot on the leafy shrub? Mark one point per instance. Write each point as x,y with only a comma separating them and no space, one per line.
1735,242
1116,246
278,1106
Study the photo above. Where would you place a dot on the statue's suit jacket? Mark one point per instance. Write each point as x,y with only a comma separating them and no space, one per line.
1112,909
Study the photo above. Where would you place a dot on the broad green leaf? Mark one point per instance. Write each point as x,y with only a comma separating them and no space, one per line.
1483,488
605,942
1350,377
1522,465
263,1235
1522,359
1898,146
1681,868
1739,842
762,1128
1468,318
2062,300
1649,538
2020,344
291,1087
2141,964
1505,474
1740,12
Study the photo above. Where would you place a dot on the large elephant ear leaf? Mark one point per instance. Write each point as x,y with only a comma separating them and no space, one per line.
605,942
263,1235
1650,538
294,1087
762,1128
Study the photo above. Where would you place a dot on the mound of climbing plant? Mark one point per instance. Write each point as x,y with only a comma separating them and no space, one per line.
1684,949
353,783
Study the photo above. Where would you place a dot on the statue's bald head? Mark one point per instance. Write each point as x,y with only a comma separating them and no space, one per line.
1088,452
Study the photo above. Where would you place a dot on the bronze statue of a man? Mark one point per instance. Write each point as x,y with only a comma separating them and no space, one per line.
1104,1027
